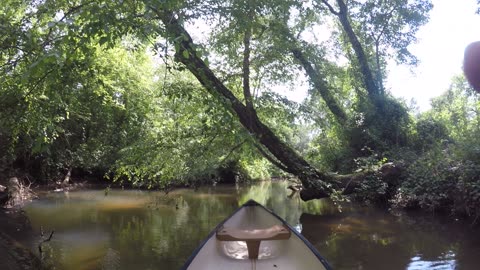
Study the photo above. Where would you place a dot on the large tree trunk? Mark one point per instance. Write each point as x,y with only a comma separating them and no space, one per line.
316,184
367,75
321,86
312,180
317,80
368,79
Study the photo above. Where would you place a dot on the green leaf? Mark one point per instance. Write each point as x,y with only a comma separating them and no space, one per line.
103,40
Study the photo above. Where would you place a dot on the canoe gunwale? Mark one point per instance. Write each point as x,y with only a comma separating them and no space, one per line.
284,223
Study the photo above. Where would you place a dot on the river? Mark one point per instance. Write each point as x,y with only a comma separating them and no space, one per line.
131,229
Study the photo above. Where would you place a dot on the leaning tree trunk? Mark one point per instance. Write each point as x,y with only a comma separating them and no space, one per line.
316,184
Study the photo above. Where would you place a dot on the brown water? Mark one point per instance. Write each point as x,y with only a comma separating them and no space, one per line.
126,229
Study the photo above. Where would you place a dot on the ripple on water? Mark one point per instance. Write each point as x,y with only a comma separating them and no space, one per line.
445,262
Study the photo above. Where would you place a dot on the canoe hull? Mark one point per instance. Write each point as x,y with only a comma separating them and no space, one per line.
292,253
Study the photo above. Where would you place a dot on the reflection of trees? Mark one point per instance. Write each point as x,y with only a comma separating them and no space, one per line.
358,237
111,260
146,229
373,240
166,236
151,230
274,195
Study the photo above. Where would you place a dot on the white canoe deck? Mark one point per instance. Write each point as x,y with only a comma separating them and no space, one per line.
291,253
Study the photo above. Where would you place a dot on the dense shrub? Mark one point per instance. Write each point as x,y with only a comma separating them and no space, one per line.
442,180
429,184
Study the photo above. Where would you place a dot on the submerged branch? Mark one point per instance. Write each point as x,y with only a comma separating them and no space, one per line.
44,241
349,183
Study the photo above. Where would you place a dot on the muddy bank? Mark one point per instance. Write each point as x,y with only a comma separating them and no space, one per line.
15,226
14,255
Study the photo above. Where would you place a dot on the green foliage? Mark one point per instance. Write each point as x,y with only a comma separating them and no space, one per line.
80,110
446,174
392,25
187,137
373,188
80,88
468,188
279,113
430,182
430,133
337,145
441,180
81,91
329,150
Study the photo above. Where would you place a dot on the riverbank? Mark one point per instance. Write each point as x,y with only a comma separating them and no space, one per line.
15,255
77,183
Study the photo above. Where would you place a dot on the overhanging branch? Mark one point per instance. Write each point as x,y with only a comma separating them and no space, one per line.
271,159
330,7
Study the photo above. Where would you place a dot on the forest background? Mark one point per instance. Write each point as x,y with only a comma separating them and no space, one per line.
120,90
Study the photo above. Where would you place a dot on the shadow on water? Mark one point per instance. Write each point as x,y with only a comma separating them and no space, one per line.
150,230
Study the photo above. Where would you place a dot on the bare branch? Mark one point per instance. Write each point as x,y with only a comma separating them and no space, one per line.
44,241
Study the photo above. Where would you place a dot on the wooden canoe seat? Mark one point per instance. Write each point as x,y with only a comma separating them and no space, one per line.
253,237
276,232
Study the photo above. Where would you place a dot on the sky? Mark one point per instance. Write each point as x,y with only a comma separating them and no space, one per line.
453,25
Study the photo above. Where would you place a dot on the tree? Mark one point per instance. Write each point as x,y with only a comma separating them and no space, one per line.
375,31
444,174
107,22
186,54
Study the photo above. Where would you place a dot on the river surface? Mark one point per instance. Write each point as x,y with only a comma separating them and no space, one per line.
129,229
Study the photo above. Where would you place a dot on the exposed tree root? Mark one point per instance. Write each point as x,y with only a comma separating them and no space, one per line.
18,192
348,183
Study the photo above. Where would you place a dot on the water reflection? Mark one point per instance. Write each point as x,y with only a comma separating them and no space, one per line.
151,230
446,261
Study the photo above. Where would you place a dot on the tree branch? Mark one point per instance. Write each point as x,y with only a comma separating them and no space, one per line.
320,85
233,150
44,241
377,51
317,80
367,76
246,68
330,7
271,159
